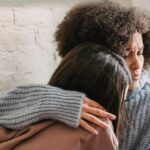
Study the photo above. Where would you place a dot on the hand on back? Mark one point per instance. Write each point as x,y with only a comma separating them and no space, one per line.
91,111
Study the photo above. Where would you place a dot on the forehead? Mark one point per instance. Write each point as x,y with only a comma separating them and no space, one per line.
136,40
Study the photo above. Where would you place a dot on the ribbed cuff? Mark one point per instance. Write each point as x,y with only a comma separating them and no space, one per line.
28,104
64,106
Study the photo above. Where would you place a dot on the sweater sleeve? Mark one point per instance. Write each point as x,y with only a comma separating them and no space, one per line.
28,104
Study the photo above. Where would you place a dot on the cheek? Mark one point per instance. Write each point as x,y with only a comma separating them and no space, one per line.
141,59
130,63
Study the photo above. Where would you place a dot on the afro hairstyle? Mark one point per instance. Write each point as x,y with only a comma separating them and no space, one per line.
106,23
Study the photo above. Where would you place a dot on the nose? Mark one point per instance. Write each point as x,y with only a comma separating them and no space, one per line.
135,62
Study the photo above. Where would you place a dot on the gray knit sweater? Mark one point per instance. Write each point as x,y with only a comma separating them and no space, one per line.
28,104
136,134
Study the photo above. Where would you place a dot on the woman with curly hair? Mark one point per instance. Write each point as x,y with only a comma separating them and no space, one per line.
126,31
106,80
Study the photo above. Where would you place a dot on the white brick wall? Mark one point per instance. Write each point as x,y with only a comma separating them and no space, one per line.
27,48
145,4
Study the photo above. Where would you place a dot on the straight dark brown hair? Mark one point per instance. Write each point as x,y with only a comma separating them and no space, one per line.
101,74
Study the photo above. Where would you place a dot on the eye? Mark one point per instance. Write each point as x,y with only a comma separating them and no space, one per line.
140,53
125,56
128,49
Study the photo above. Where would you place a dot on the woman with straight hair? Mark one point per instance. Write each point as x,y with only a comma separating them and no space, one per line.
99,73
126,32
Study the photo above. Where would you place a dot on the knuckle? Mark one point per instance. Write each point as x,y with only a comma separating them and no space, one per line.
103,114
98,112
86,100
89,128
84,108
82,114
92,118
81,121
106,114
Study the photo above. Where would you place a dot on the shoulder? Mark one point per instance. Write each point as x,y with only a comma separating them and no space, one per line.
79,137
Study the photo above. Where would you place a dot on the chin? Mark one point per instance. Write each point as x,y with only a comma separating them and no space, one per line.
134,85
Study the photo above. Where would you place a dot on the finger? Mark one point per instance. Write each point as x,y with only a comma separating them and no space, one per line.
90,102
94,120
86,126
98,112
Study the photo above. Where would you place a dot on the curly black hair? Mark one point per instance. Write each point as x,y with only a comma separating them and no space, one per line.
106,23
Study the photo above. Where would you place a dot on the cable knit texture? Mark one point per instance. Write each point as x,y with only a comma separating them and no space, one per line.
27,104
136,133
